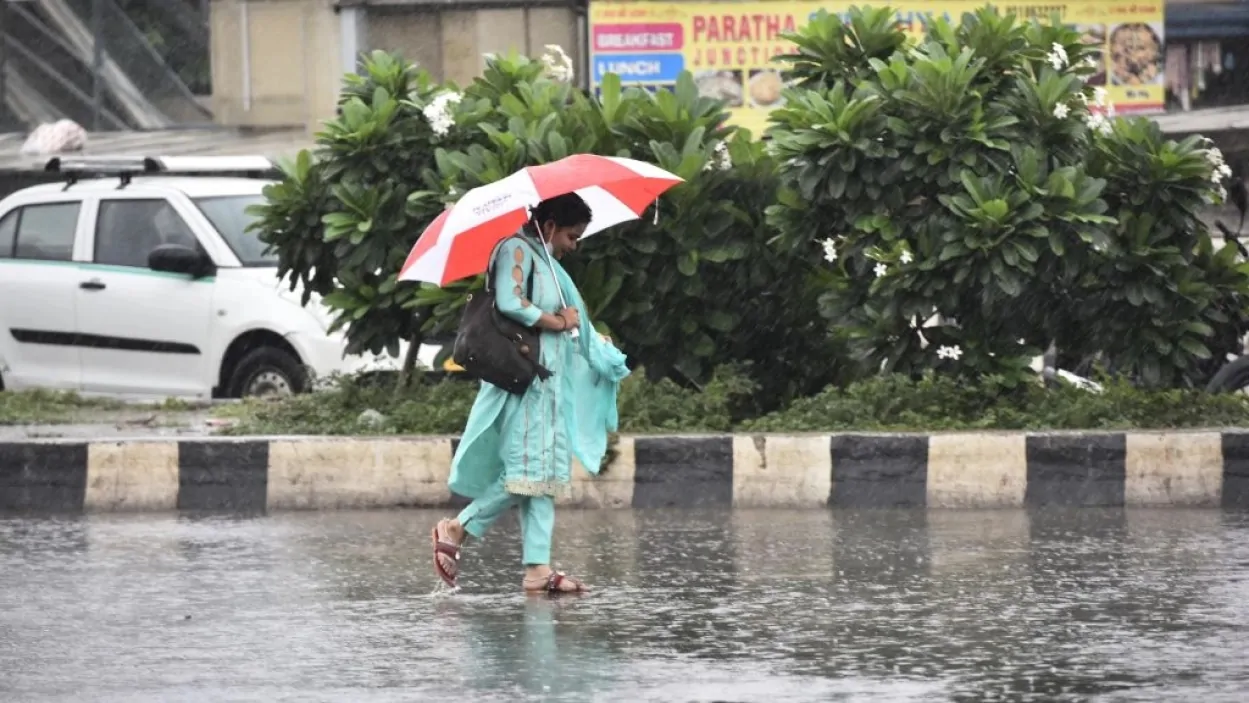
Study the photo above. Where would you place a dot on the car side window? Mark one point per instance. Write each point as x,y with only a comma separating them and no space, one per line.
127,231
45,232
8,230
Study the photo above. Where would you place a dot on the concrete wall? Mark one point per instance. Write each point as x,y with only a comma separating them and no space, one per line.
451,44
280,62
275,63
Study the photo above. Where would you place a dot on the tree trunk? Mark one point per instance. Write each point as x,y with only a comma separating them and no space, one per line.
410,359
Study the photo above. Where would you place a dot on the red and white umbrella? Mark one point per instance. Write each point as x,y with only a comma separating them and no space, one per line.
458,243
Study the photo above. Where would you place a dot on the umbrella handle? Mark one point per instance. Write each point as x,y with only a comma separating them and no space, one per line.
575,333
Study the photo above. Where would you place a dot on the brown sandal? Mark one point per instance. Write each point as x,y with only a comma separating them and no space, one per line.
554,583
449,549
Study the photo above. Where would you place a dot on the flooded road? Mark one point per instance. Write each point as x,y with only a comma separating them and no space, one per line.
1118,605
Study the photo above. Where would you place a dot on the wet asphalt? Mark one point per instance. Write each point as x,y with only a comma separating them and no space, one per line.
1115,605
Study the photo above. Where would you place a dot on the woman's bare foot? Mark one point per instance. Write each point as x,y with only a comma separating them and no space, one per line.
447,537
543,579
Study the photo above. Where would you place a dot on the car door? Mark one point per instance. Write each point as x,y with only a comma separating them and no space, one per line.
145,332
38,281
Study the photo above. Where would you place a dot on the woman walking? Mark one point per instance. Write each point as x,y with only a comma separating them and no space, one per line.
517,450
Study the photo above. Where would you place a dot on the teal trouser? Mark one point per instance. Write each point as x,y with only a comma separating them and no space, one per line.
537,520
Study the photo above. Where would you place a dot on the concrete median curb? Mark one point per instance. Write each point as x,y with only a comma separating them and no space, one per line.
1197,468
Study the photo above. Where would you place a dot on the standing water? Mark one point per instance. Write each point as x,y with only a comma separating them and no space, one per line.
1117,605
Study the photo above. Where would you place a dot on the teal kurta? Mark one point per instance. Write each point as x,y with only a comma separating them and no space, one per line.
529,440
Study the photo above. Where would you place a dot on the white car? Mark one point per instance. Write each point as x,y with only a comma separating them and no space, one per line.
137,285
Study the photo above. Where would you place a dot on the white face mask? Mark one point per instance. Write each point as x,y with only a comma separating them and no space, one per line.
546,243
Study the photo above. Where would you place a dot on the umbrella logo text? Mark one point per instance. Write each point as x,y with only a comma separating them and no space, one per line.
491,205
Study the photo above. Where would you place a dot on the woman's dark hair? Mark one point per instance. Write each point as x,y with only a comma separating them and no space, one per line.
566,210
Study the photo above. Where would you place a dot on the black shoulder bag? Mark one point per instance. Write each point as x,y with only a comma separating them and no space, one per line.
495,348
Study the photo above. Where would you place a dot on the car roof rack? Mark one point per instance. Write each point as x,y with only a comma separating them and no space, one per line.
127,167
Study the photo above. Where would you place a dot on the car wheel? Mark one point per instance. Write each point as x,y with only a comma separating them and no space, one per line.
1233,377
267,373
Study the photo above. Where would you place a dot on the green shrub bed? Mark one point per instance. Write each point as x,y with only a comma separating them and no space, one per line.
932,403
897,403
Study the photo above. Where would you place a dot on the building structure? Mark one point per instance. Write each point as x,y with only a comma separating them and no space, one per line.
279,63
1207,54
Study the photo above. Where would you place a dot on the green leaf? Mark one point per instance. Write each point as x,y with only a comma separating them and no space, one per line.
559,147
643,244
705,346
687,263
609,97
1199,328
721,321
1195,347
1026,250
1056,244
996,209
836,184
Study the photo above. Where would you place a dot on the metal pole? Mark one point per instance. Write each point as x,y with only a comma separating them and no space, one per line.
97,63
4,63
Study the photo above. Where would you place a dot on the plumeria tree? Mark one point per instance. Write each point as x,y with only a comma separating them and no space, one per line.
976,200
692,286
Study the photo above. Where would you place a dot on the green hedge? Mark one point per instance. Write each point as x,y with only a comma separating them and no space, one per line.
893,402
936,403
931,403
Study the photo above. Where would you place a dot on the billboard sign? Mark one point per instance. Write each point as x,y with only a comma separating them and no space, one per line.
727,46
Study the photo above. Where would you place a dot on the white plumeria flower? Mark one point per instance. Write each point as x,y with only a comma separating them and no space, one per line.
1098,123
726,159
1099,96
557,64
439,112
1061,111
1219,170
721,160
1057,57
906,257
1090,62
880,270
954,352
830,250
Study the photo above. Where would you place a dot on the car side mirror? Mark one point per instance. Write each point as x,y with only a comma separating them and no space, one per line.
175,258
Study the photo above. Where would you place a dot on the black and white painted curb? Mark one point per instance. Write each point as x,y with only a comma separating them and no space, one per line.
954,470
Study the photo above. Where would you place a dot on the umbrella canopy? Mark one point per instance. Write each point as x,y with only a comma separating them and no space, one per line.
458,243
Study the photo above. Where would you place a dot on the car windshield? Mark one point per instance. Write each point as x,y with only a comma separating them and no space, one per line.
228,213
